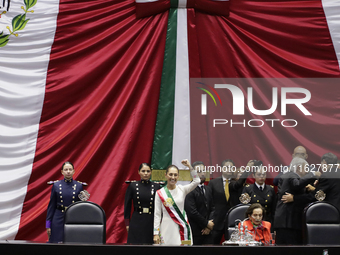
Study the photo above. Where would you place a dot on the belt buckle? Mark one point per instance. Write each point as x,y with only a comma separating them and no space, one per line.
145,210
63,208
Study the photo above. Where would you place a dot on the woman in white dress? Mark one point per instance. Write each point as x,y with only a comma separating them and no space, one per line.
171,225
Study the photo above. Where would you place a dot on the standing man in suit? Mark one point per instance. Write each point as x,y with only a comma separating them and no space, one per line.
329,180
288,216
224,192
199,208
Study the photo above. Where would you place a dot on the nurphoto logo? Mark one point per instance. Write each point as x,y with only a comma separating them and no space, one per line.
243,101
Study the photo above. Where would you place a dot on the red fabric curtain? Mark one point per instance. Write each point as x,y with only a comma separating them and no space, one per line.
266,39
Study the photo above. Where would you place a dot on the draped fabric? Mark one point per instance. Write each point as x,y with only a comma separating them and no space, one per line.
172,132
99,109
99,90
269,39
23,67
271,137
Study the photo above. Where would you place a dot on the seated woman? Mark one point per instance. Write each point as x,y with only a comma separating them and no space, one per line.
256,226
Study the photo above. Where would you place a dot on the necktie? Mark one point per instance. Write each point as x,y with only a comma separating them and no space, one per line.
202,189
204,198
261,188
226,190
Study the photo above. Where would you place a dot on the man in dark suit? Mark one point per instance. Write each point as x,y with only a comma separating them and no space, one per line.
199,208
225,195
329,180
288,216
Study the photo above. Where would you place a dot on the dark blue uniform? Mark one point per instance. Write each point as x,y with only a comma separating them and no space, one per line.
64,193
266,197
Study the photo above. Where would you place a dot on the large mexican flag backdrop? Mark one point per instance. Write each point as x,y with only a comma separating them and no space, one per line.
90,82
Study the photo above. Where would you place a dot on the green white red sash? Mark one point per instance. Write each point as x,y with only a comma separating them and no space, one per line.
176,215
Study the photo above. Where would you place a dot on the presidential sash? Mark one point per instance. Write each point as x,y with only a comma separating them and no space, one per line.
176,215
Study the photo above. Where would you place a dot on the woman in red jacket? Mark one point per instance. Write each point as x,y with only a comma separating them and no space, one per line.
256,226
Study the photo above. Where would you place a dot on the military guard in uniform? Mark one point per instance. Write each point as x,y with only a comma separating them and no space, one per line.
261,193
64,193
142,194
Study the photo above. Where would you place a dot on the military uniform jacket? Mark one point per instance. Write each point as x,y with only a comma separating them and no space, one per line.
266,197
63,193
329,182
142,194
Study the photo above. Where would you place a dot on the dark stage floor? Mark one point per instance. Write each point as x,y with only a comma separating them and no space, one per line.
23,248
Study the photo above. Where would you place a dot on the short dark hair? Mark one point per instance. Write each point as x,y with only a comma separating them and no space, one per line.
196,163
67,162
226,161
170,166
258,163
257,166
330,158
252,207
144,164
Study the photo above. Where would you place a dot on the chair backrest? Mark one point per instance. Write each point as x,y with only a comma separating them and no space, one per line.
85,222
235,213
321,224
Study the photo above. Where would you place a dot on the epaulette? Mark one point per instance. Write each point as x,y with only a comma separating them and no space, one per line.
247,185
52,182
128,181
272,186
84,183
